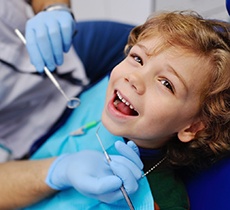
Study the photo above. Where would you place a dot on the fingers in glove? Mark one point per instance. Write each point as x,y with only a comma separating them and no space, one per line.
128,178
127,165
55,38
67,26
134,147
38,44
129,153
35,56
97,186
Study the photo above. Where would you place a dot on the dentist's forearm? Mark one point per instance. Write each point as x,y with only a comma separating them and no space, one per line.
39,5
23,183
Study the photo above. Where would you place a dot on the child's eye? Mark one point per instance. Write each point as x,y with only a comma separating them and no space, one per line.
167,84
137,58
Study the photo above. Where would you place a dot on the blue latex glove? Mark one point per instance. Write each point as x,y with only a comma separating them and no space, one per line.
90,174
48,36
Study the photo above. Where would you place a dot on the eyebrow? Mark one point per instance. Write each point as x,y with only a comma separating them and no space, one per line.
143,48
171,69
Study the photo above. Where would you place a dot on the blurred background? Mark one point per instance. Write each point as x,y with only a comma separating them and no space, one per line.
136,11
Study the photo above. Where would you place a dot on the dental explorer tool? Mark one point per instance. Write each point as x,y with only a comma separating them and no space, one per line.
129,202
71,102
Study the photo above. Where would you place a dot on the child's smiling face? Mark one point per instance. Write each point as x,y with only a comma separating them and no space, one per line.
150,98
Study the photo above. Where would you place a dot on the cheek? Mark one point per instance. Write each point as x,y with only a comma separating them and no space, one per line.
120,69
116,74
162,115
113,77
117,70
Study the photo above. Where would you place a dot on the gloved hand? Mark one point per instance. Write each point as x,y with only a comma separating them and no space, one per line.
90,174
48,35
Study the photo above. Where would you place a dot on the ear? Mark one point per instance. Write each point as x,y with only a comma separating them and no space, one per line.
188,133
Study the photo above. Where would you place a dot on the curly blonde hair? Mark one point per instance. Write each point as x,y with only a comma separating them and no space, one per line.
208,39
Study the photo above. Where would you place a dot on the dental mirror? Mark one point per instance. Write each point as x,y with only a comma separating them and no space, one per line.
71,102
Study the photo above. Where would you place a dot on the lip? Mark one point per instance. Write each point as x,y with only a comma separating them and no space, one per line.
112,109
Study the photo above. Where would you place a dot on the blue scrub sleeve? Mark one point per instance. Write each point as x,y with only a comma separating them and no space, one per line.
100,46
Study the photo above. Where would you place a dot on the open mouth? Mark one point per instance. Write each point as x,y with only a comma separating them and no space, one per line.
124,106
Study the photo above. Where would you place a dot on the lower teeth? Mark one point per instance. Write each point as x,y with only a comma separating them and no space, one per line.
116,102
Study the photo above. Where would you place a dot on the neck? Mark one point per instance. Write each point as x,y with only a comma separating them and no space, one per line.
150,157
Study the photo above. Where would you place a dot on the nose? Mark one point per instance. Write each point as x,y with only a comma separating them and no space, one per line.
136,81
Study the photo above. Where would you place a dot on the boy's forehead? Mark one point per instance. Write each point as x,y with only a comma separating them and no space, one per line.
156,45
174,53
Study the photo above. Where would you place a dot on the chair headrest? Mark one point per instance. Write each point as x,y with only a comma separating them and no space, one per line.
228,6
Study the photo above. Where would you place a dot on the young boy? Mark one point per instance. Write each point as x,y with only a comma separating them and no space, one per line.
169,96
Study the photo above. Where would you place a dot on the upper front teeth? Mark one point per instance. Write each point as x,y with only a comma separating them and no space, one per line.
124,101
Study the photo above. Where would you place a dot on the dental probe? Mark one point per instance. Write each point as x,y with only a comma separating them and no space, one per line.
129,202
71,102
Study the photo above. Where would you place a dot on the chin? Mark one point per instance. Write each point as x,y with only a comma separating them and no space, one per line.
111,126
